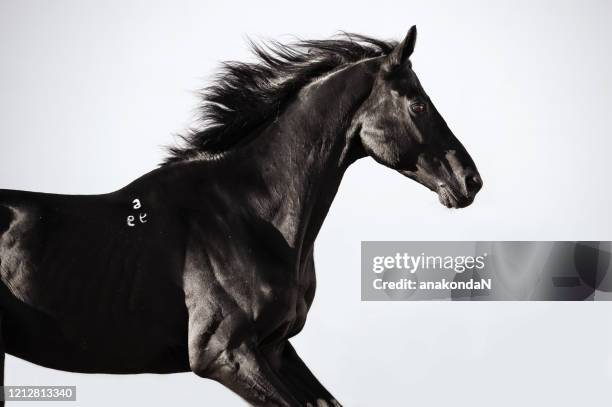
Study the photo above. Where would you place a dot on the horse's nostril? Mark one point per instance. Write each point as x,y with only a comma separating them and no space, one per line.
473,183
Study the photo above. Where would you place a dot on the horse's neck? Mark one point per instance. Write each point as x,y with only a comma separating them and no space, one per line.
304,153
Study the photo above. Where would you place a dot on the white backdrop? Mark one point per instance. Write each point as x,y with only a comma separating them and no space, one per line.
91,90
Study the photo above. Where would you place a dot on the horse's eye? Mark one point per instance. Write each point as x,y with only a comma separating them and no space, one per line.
418,107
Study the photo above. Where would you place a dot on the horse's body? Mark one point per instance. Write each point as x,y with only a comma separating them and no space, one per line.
205,264
85,292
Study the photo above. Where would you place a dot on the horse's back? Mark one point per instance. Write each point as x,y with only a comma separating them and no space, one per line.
83,290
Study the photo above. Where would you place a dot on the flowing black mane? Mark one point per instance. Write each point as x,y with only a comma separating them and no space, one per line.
246,95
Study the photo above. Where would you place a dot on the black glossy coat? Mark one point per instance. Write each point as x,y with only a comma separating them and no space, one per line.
206,264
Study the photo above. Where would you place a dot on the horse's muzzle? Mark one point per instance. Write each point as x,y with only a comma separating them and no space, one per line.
464,194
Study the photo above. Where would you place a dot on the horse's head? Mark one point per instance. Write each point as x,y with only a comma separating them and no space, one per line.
400,128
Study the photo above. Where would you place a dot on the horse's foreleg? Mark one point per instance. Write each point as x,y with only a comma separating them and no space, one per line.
301,380
248,374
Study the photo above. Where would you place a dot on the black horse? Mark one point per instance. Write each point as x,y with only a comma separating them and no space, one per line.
206,263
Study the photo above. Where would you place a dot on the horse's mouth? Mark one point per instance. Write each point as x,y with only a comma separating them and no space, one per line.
450,195
452,199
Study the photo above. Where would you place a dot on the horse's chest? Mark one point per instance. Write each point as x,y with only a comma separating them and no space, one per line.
280,304
255,281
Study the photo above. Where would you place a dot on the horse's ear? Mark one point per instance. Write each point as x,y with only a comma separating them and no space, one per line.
404,49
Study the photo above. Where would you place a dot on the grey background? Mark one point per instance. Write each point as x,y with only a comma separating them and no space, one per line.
91,90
